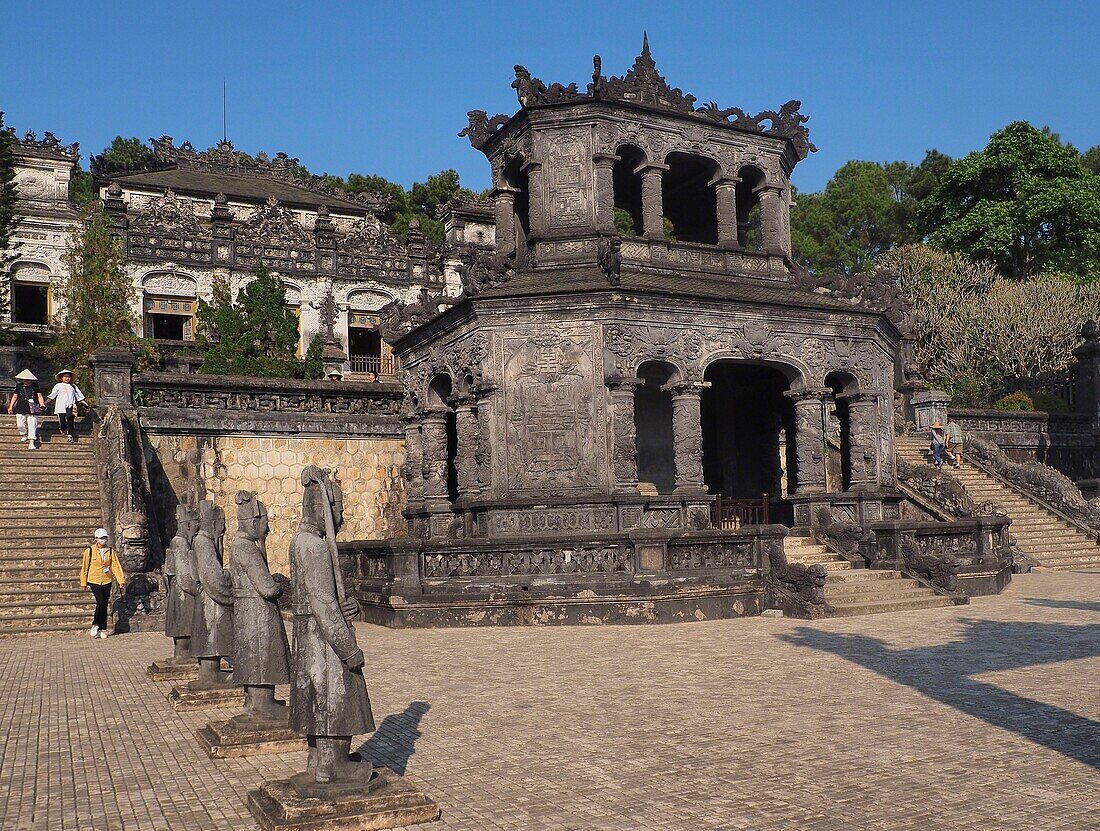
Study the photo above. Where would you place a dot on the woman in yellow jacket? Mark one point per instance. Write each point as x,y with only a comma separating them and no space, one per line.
100,564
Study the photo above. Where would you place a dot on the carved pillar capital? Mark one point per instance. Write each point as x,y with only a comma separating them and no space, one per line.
605,191
466,428
652,199
434,432
483,455
725,197
862,438
504,199
536,213
772,220
687,435
809,437
624,449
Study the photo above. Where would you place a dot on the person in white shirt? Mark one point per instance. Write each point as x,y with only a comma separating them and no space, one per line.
65,394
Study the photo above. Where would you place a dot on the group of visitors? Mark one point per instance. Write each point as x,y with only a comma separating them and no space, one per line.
947,444
335,374
28,405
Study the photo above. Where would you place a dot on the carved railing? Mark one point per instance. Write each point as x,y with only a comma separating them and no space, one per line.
701,257
939,554
379,365
1061,384
1062,440
237,394
729,514
1041,483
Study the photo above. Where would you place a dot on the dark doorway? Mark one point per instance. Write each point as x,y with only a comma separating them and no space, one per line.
689,198
653,427
166,327
750,232
30,304
628,191
745,416
365,350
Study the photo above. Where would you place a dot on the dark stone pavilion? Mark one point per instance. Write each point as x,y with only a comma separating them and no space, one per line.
636,384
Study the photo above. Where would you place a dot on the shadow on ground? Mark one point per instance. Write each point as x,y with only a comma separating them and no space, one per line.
394,742
943,673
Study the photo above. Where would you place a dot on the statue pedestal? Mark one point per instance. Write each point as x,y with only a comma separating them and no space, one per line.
173,669
245,736
206,697
300,804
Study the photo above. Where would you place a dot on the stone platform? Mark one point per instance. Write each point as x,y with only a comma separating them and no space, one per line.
182,698
297,804
171,669
240,736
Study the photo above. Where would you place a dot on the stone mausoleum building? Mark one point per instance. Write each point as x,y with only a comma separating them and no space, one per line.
189,217
597,419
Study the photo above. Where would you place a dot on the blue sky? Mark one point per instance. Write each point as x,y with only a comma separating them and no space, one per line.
384,87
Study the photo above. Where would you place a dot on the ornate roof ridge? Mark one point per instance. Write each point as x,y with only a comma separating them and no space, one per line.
224,159
49,142
644,86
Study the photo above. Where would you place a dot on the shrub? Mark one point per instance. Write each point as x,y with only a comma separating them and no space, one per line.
1016,401
1047,403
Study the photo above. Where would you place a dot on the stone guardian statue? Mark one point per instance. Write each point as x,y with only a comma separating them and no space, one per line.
262,655
328,697
179,565
212,620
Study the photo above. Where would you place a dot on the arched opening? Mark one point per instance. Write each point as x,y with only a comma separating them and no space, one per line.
30,300
747,457
689,199
653,427
439,396
838,431
628,190
517,179
750,229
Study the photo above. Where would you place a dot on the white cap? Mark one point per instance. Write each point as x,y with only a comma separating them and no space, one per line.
101,533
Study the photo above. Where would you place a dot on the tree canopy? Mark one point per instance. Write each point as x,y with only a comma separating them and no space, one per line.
1025,202
256,335
8,219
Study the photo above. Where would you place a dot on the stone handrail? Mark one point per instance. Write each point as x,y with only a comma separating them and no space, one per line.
1042,483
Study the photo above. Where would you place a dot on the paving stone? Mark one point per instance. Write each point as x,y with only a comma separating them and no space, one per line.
984,716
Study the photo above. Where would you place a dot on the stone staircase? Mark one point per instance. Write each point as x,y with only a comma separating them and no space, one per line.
1039,533
862,591
49,508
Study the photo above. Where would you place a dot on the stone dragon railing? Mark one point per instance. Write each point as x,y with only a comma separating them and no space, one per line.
1042,483
941,493
797,589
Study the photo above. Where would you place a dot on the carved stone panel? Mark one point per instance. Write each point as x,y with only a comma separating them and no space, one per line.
553,413
551,520
567,181
702,555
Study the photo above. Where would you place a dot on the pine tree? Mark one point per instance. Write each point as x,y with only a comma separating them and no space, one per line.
8,220
315,358
96,298
257,335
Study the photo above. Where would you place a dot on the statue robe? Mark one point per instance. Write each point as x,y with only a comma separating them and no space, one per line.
327,698
179,565
262,653
212,622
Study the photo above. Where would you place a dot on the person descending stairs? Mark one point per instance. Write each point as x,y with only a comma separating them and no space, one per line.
1041,534
861,591
49,509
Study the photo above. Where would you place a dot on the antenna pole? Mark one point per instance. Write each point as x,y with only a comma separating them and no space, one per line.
225,132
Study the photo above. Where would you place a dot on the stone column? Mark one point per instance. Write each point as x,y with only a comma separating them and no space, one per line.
434,434
113,366
536,215
465,455
809,438
605,191
484,454
653,210
414,461
687,435
929,407
862,438
624,447
725,196
504,203
771,219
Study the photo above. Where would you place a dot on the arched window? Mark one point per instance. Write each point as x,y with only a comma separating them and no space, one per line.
653,426
628,190
839,429
30,294
516,178
439,398
689,198
750,234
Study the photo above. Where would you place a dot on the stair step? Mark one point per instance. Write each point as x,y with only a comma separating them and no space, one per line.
862,574
878,606
47,606
39,622
848,598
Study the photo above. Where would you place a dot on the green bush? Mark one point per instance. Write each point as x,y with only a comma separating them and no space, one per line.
1047,403
1016,401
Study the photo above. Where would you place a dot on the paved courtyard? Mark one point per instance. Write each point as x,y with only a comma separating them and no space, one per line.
978,717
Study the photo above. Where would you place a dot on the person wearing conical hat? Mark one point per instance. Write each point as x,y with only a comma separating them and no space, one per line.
65,394
938,446
26,403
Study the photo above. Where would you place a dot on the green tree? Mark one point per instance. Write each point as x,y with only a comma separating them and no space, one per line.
81,188
257,335
8,218
1091,160
314,363
1025,202
96,297
127,152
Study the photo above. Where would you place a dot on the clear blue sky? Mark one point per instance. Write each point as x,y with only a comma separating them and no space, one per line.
384,87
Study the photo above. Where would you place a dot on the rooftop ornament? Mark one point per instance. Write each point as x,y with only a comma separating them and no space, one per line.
644,86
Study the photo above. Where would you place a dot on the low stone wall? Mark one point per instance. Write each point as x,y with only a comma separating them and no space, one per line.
232,433
1065,441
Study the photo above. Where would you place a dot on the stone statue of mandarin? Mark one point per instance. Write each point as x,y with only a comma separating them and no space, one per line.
212,622
262,655
328,698
179,565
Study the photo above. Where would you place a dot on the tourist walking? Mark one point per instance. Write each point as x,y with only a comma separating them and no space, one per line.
99,565
65,395
27,404
954,443
939,444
